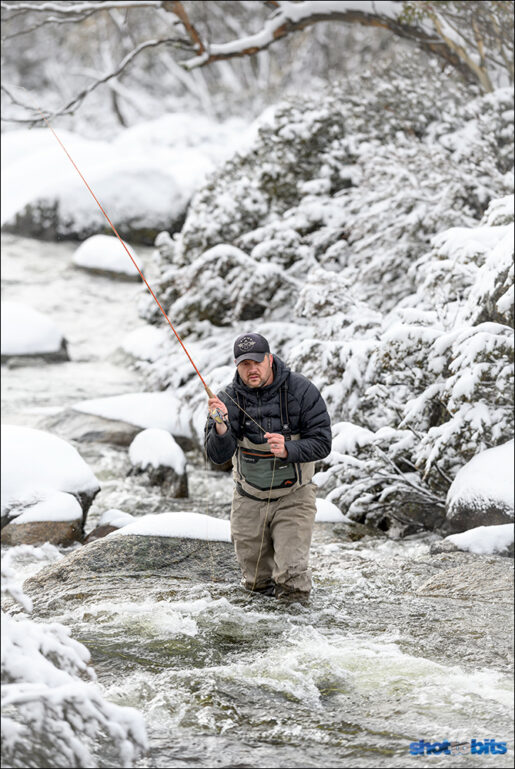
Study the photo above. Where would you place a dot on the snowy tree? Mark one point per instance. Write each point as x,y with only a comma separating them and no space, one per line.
473,39
52,712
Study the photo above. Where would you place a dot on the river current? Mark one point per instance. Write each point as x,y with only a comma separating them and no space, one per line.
225,679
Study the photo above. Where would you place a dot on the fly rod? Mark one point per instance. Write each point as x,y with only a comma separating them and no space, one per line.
206,387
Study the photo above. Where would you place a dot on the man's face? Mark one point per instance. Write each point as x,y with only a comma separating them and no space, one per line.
255,374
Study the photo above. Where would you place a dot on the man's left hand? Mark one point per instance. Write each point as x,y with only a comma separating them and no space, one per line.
276,443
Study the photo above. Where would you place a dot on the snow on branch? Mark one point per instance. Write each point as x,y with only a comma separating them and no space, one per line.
78,8
52,709
291,17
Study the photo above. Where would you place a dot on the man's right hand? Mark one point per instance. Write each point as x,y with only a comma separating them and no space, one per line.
215,404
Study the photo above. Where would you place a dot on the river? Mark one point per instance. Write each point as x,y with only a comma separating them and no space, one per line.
226,679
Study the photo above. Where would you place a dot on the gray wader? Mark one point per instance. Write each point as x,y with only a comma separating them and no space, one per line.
272,516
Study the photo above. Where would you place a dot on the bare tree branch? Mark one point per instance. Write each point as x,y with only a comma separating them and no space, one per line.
49,20
78,8
177,8
292,17
86,91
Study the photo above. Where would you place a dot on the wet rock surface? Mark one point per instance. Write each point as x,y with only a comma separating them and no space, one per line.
470,577
38,532
138,557
87,428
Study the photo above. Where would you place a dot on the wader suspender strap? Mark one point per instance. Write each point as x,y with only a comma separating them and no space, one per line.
283,407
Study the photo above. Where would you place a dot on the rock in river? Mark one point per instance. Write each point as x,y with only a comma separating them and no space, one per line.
166,544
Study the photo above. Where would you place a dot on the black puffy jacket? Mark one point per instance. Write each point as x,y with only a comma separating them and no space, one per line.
307,414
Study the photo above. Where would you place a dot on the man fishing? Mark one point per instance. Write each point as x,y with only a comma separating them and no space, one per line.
274,424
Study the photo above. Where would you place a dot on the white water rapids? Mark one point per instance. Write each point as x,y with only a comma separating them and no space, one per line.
225,679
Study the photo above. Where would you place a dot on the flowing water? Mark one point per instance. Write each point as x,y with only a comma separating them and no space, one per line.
225,679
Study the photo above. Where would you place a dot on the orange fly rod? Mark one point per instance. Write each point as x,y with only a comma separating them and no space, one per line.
207,389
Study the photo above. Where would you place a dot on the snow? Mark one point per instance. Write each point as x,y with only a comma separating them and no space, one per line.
146,343
347,437
156,447
187,525
26,331
45,700
328,513
105,252
488,476
57,506
484,540
145,175
153,409
115,517
35,466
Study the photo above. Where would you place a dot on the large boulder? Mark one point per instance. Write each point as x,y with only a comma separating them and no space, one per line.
482,492
47,488
131,551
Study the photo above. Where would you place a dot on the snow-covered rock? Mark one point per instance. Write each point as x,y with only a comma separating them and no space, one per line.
327,512
154,452
109,521
149,409
104,254
144,178
482,492
188,546
184,525
47,488
485,540
28,332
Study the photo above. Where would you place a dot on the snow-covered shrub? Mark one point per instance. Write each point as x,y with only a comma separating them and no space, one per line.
437,385
53,713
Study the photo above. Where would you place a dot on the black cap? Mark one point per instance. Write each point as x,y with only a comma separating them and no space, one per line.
250,347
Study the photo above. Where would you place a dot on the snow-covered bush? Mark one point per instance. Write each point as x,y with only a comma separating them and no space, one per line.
52,711
435,386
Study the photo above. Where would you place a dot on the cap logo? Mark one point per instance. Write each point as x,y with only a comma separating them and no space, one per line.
246,344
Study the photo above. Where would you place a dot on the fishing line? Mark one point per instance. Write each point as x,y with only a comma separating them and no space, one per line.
207,389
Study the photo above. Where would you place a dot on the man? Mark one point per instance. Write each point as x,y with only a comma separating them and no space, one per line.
274,424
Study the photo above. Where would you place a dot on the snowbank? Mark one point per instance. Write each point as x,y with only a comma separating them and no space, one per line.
155,409
484,540
156,448
36,466
47,704
26,331
187,525
106,253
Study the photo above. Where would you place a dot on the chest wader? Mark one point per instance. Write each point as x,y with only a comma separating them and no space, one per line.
258,474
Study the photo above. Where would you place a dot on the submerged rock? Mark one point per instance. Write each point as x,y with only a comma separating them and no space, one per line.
469,576
139,557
